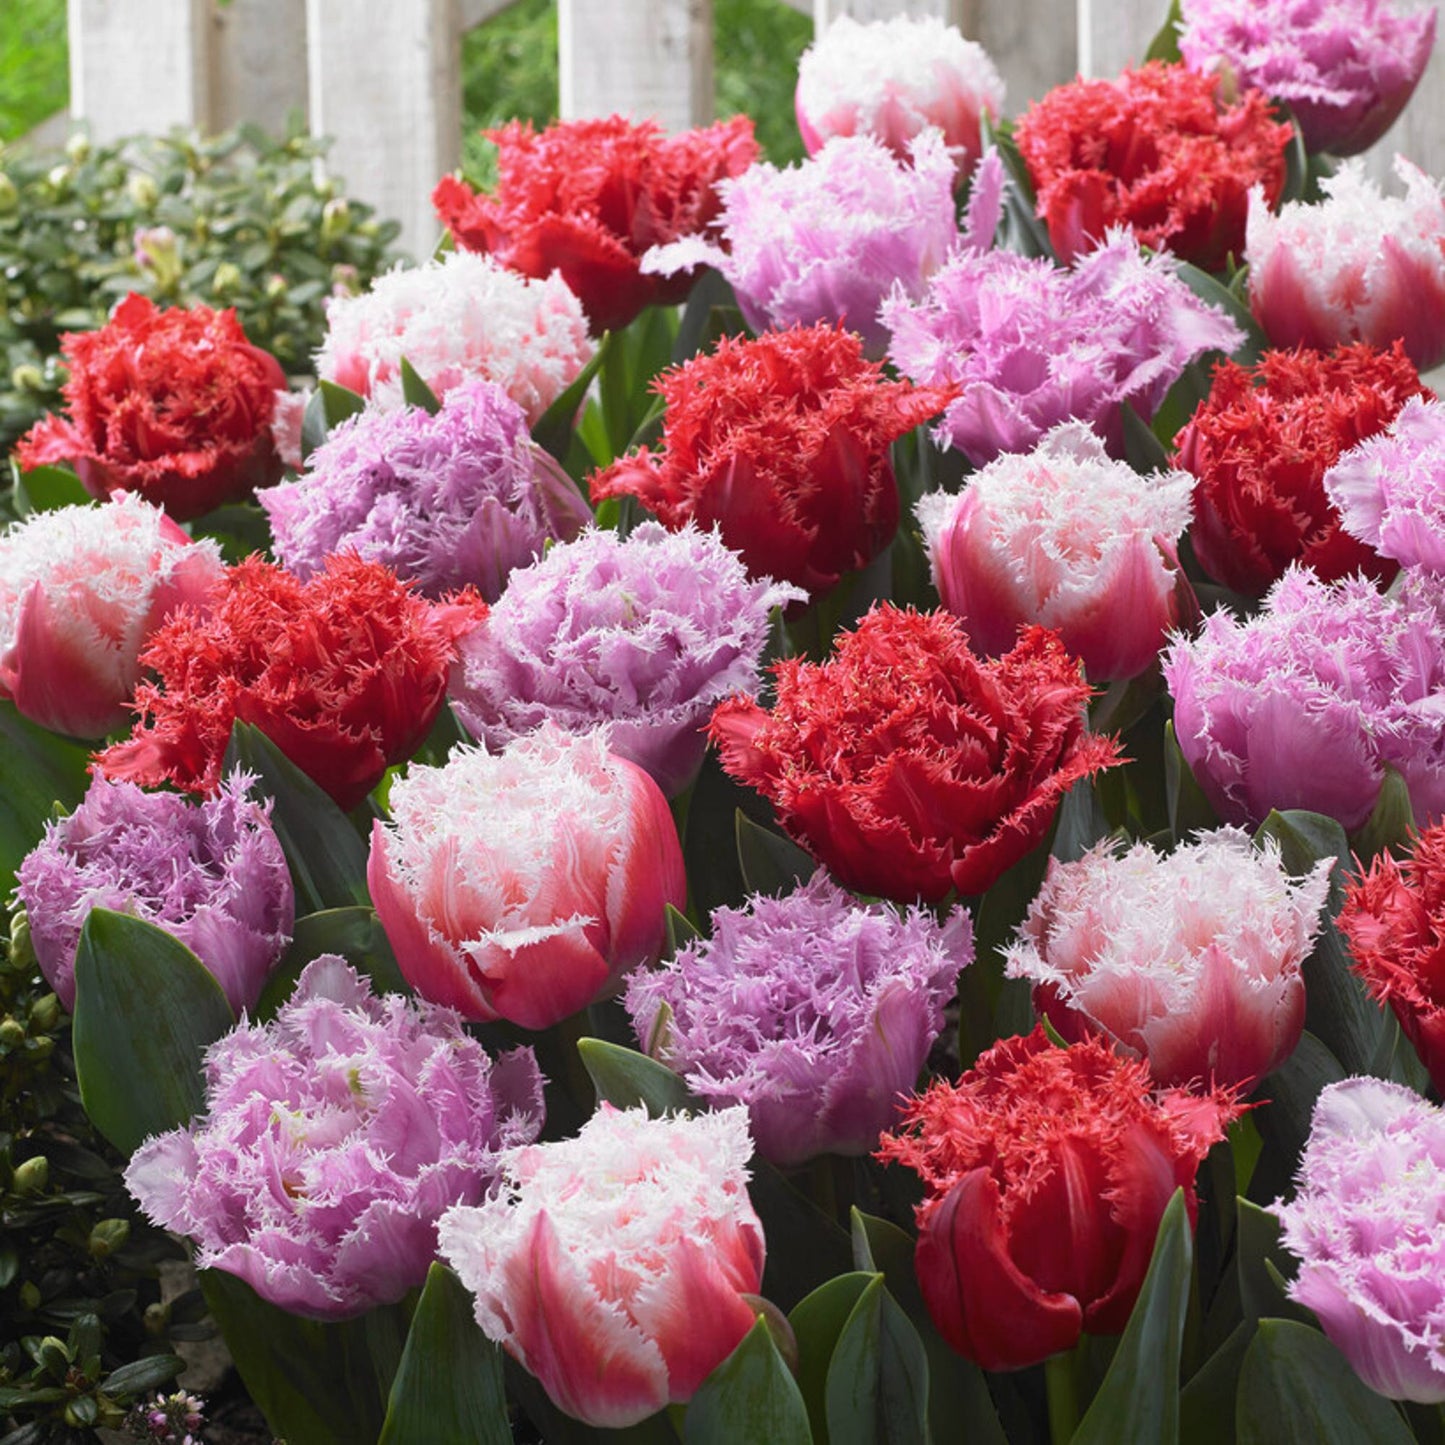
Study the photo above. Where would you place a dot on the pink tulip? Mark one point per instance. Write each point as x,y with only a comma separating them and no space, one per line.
81,590
525,885
1358,266
1190,961
614,1266
1066,538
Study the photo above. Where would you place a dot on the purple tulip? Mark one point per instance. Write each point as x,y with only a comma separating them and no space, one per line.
1390,489
1368,1225
1346,68
210,873
1030,345
1304,705
334,1139
647,634
814,1010
447,501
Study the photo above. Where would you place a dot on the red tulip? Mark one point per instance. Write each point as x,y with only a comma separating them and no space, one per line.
1047,1172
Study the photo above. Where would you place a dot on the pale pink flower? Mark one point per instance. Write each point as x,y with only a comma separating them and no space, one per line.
1190,960
615,1266
890,79
1357,266
525,885
464,315
1066,537
1368,1225
81,591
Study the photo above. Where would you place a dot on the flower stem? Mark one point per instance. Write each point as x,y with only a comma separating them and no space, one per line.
1062,1386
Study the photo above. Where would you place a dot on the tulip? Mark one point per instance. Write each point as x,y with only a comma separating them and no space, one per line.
909,766
646,633
1357,266
82,589
892,79
1068,539
1394,921
454,500
1368,1225
462,316
212,874
814,1010
524,886
1345,68
174,404
1190,961
1390,488
1046,1173
616,1266
333,1139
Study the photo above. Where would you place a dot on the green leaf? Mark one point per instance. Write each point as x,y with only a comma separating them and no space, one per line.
338,403
680,930
1206,1404
415,391
1284,1123
145,1010
1165,44
1296,1388
877,1390
355,933
1305,838
449,1384
770,863
1142,449
749,1397
47,489
41,771
1204,286
1138,1402
326,854
1390,824
625,1079
313,424
1081,823
817,1321
1258,1244
553,432
138,1376
1189,810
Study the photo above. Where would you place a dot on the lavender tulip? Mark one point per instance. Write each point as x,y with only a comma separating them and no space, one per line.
1368,1225
1304,705
1029,345
210,873
814,1010
335,1137
647,633
456,499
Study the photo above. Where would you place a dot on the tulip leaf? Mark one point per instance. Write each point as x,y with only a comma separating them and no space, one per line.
48,489
145,1009
1165,44
1081,823
326,854
1142,449
449,1383
771,863
805,1245
41,770
1296,1388
959,1404
355,933
415,391
1206,1404
680,930
1189,810
817,1321
1260,1291
624,1078
1210,291
1391,823
316,1383
553,432
877,1390
1284,1122
1138,1401
749,1397
339,402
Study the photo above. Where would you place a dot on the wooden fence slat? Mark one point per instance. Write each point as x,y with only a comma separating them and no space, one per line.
257,63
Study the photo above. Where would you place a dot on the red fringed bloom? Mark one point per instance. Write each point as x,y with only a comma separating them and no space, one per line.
1260,444
1047,1173
175,405
782,444
1156,150
589,197
345,673
907,764
1394,919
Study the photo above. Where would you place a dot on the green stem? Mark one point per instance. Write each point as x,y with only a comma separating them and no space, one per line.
1061,1383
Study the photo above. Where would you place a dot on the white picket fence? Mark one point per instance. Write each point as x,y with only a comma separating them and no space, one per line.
384,76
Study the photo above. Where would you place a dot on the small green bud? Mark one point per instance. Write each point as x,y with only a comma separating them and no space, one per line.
9,194
107,1237
29,1296
27,377
335,217
157,1319
22,955
58,177
45,1013
275,286
228,278
12,1032
32,1176
143,191
78,147
41,1048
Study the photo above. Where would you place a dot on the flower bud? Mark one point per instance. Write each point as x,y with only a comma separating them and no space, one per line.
12,1033
32,1176
29,1296
275,286
156,1319
142,190
27,377
78,147
108,1236
228,278
45,1013
335,218
58,176
22,954
9,194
